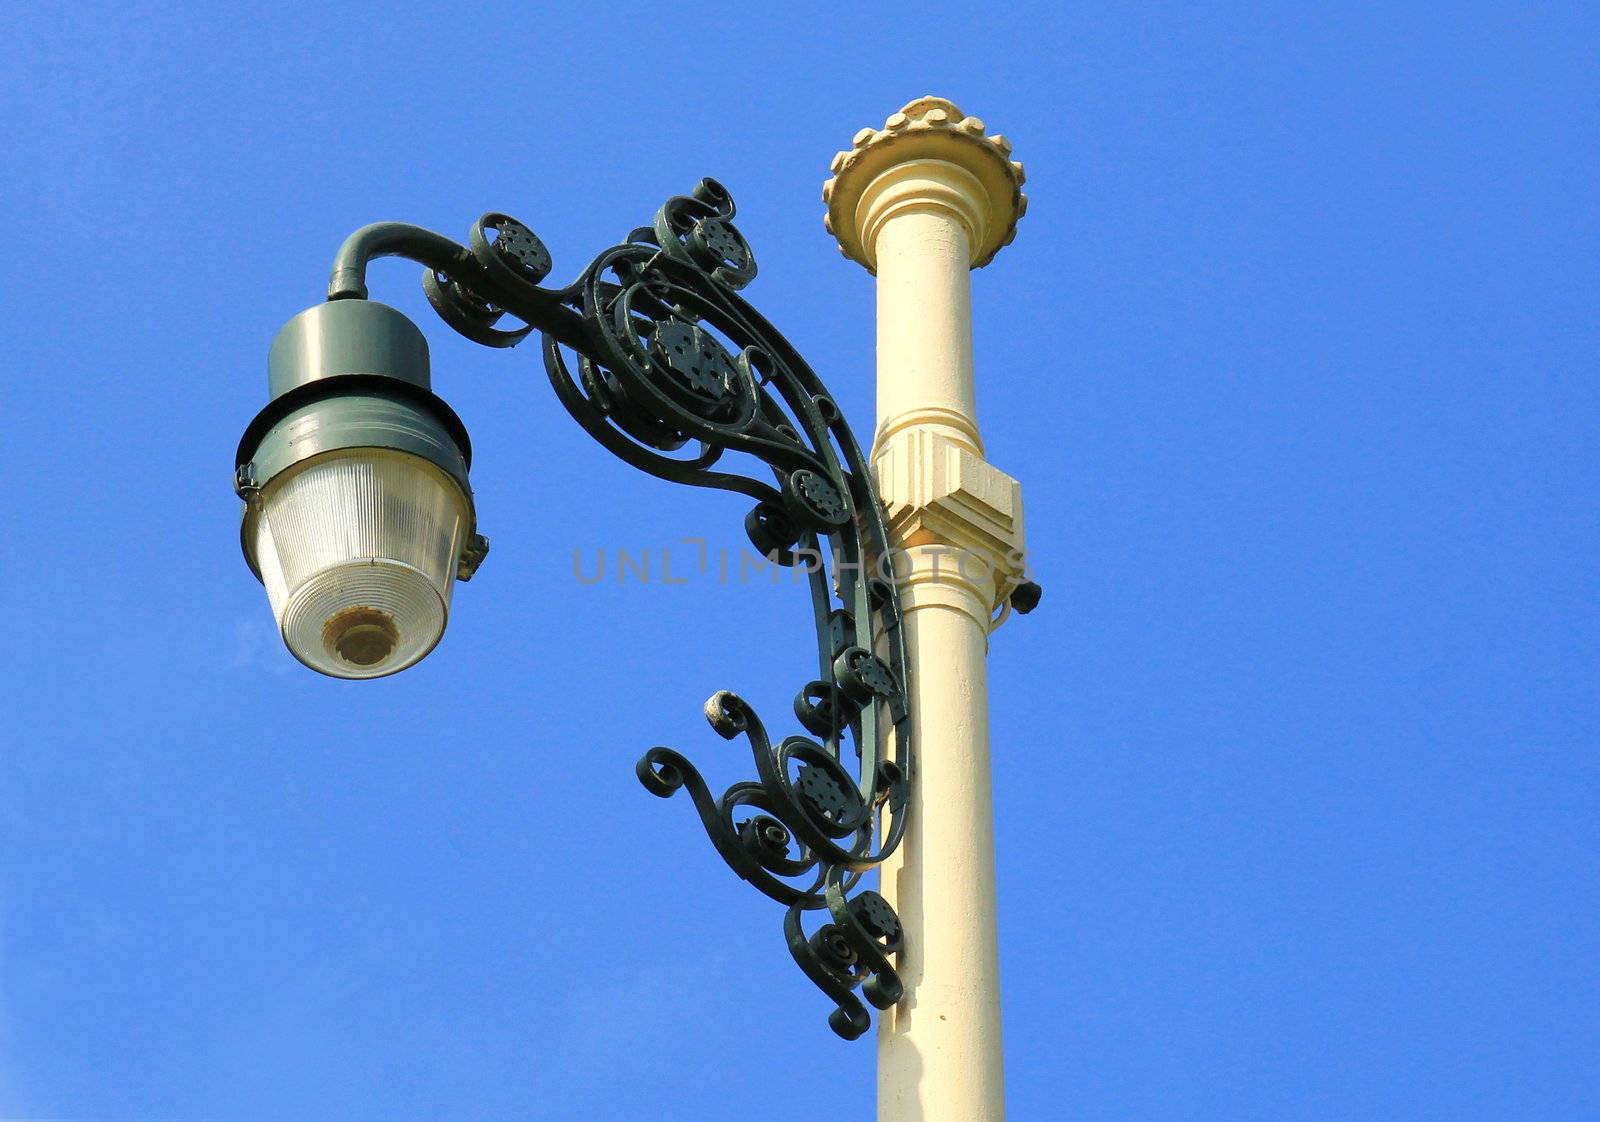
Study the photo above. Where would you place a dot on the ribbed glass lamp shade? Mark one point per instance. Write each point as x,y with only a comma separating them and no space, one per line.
358,551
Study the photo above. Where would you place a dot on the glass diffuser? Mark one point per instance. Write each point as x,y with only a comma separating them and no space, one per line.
358,550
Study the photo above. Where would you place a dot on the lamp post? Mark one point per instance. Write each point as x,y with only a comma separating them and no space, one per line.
359,518
920,203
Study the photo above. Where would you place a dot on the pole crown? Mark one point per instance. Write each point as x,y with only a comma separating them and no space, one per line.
928,156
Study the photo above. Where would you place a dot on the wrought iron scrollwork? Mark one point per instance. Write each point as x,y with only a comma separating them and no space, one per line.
654,352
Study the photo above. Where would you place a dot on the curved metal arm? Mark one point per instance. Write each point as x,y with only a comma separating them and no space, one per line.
390,239
652,349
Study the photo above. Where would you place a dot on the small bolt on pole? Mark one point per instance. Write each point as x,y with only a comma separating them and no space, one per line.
920,203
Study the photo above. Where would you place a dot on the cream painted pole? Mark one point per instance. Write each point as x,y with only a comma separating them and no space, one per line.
920,203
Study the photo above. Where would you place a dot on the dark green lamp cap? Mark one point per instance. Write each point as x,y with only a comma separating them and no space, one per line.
350,374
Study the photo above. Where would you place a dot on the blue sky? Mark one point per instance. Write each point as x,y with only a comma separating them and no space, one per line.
1295,767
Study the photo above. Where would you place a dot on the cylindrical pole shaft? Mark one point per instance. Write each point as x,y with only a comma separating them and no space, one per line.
925,328
939,1050
921,203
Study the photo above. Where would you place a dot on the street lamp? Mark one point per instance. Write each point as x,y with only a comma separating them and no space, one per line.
359,518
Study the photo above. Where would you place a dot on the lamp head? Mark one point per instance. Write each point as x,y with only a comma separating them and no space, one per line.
358,513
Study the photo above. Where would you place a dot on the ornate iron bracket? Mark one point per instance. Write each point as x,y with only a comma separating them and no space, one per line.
652,350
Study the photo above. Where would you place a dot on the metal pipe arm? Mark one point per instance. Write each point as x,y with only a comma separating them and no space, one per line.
391,239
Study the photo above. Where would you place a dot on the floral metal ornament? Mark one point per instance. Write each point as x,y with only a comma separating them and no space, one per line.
654,352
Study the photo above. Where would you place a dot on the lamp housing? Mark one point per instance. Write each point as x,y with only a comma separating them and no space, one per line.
358,512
